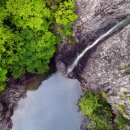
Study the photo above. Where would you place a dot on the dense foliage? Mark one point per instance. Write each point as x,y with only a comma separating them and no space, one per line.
122,122
98,110
29,33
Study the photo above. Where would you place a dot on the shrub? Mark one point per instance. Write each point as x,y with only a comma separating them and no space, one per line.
121,121
97,110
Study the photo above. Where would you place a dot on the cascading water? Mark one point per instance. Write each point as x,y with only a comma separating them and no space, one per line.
113,30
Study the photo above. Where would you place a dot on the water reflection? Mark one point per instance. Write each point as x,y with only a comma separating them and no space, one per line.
51,107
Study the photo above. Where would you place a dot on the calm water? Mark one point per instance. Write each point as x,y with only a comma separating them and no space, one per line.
51,107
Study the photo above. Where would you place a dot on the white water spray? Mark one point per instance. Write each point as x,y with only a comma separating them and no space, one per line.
113,30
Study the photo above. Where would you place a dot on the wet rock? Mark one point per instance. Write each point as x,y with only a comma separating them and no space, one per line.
8,100
106,68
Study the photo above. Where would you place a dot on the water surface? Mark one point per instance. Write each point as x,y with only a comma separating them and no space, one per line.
53,106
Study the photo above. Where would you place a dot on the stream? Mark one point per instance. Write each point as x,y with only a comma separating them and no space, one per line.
53,106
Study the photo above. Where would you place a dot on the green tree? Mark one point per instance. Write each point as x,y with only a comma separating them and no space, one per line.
65,17
29,13
29,34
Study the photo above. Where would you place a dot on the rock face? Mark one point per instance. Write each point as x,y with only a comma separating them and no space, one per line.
106,68
16,89
8,101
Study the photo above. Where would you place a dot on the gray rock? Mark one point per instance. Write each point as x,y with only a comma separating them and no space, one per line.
8,100
107,67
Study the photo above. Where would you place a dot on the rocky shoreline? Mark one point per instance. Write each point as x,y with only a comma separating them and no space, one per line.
8,100
16,89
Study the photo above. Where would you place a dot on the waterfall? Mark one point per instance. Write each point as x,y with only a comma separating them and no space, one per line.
113,30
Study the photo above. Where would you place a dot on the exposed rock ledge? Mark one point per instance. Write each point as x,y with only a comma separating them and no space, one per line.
107,67
10,97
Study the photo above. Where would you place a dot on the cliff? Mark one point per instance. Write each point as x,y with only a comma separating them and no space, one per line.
106,68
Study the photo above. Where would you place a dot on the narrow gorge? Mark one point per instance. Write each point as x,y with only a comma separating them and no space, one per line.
95,58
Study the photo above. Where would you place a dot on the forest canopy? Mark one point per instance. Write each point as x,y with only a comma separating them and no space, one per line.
30,30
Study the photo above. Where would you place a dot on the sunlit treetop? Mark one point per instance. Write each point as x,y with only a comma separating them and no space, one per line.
30,30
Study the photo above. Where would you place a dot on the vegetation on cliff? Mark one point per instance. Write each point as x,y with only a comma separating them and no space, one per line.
100,113
29,33
98,110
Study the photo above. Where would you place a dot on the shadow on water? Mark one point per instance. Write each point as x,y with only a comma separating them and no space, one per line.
51,107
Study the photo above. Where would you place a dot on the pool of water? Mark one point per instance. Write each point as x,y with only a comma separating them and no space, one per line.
53,106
